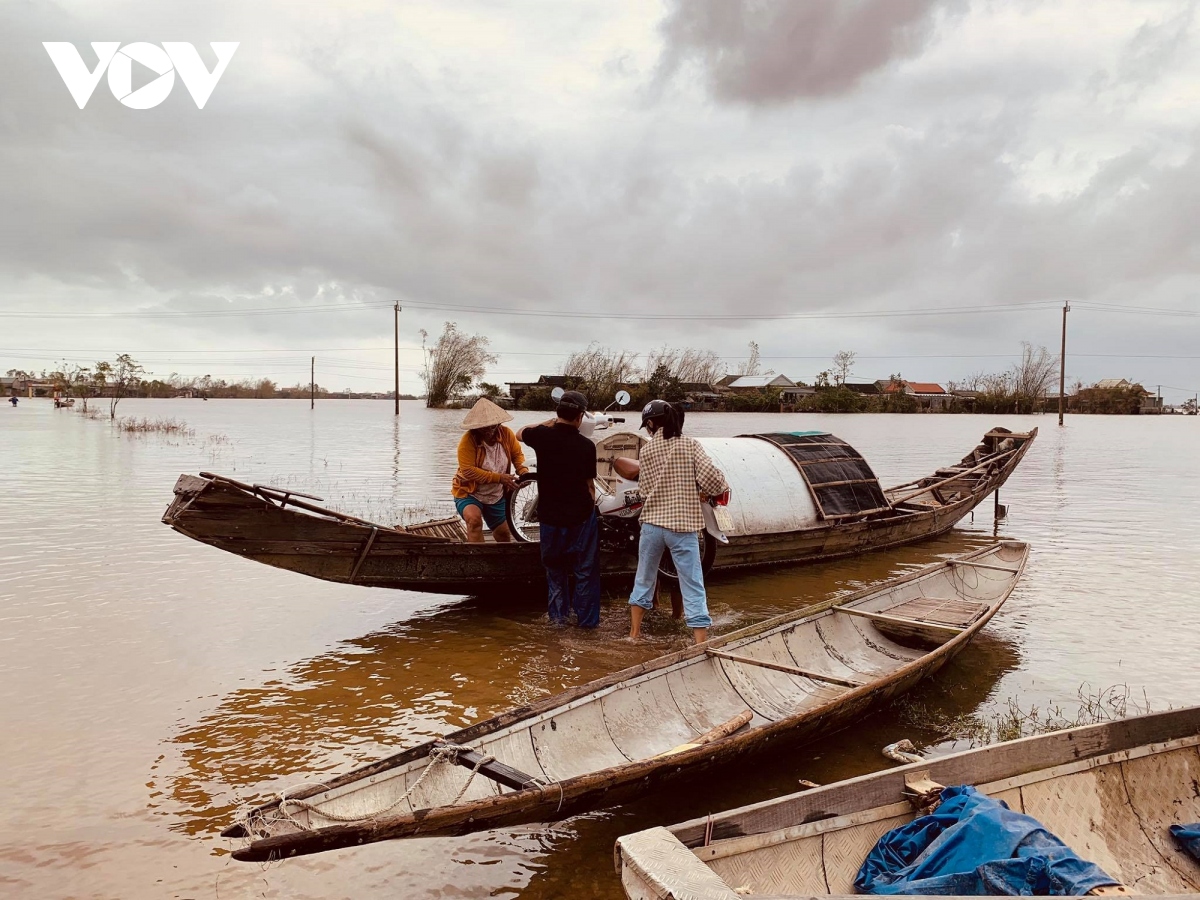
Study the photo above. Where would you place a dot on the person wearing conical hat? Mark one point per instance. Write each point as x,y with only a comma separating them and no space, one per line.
487,456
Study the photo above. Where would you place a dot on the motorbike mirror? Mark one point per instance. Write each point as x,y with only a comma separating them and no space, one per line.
622,398
557,394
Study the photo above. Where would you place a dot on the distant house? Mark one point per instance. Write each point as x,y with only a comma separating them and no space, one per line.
870,388
1109,384
966,398
745,383
518,389
11,385
928,394
700,396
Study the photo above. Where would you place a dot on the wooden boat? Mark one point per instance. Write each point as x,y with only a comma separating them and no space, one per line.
1110,791
793,678
797,498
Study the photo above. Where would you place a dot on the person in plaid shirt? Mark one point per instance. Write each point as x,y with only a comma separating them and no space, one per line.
675,477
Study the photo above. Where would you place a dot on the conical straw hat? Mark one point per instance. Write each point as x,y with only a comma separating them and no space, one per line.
484,414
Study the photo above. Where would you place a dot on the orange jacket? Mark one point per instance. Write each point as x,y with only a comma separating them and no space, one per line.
471,455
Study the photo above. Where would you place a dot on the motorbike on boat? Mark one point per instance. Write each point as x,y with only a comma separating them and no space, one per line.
618,498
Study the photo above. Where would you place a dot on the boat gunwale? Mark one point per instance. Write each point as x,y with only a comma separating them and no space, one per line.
498,805
867,797
256,499
735,846
1130,734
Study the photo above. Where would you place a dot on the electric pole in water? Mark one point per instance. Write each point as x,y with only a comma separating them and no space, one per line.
397,358
312,384
1062,366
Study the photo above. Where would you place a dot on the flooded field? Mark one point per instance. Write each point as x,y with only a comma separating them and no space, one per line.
150,685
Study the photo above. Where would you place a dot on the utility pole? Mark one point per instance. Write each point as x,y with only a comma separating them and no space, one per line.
312,384
1062,365
397,358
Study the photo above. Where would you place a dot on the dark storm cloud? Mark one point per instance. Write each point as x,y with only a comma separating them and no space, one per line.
340,174
772,51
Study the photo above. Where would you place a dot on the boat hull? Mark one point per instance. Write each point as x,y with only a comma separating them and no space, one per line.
1108,790
251,522
802,705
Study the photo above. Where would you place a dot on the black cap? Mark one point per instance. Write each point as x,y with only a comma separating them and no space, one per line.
575,399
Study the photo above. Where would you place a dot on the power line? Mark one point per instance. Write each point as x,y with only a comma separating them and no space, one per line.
39,353
972,309
197,314
542,313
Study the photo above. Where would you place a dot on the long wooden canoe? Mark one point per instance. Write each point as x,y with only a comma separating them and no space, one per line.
1110,791
792,678
810,521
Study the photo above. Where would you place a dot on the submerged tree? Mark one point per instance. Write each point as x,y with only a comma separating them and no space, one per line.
689,365
456,362
599,371
843,362
73,381
1032,376
121,376
751,365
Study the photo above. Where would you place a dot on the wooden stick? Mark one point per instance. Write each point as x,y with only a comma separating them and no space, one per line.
497,771
897,620
251,489
929,487
741,720
779,667
362,556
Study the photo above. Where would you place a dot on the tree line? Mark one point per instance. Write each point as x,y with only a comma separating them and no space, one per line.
456,364
115,379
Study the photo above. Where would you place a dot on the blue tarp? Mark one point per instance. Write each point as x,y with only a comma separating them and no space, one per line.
1188,837
972,844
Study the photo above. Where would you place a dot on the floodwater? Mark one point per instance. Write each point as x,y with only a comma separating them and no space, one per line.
150,684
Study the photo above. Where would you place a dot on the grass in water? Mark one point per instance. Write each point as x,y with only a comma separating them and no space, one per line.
160,425
1015,720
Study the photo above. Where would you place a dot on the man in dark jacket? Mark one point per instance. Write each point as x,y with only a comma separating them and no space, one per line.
568,528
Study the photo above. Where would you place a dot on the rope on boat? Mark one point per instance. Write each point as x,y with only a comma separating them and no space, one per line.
903,751
438,755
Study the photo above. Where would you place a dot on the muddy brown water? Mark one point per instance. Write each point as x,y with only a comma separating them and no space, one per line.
149,684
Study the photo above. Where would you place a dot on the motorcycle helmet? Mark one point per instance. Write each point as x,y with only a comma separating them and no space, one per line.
655,409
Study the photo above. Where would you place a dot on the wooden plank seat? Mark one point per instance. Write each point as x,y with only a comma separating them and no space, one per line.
452,528
939,611
924,619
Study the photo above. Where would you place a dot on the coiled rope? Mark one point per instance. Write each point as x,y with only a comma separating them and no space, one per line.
440,754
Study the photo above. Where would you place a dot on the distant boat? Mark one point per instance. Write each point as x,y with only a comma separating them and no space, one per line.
1109,791
800,497
60,403
794,678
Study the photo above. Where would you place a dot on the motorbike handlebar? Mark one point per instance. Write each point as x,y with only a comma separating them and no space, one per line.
620,419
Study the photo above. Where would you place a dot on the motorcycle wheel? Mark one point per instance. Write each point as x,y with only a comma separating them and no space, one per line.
708,553
522,512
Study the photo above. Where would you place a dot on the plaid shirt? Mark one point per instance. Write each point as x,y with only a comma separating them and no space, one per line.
673,474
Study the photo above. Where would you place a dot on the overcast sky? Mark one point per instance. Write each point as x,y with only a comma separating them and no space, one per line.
930,178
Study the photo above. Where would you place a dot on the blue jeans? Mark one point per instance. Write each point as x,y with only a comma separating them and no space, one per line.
571,556
685,553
